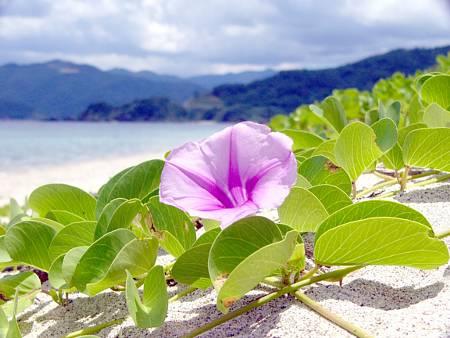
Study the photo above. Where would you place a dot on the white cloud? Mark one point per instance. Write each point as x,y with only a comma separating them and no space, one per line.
192,37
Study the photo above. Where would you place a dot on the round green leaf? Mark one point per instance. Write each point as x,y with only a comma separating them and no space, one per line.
64,217
136,182
436,89
302,210
356,149
71,236
62,197
381,241
244,254
368,209
326,149
303,139
320,170
104,263
428,148
28,242
331,197
435,116
23,282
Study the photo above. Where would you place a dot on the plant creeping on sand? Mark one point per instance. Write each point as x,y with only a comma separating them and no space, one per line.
110,241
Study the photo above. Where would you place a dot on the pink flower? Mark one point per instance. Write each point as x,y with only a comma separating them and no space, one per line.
231,174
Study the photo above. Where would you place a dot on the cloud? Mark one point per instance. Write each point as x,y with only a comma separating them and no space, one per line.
195,37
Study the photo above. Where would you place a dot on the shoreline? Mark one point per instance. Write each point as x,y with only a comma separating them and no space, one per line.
88,175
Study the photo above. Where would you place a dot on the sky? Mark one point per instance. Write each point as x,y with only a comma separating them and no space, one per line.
192,37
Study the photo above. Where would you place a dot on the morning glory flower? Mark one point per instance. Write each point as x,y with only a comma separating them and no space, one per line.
230,175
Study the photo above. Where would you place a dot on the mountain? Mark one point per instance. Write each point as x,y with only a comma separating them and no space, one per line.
153,109
285,91
61,90
211,81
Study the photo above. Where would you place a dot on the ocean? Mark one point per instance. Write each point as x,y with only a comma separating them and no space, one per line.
32,144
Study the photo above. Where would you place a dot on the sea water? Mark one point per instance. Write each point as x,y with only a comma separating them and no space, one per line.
32,144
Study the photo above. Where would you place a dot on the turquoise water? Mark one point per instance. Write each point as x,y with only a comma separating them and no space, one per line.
29,143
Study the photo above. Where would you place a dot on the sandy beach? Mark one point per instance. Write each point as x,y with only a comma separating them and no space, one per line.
385,301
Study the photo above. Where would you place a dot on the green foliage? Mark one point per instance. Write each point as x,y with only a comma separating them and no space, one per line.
428,148
302,210
135,182
151,310
62,197
356,149
173,227
244,254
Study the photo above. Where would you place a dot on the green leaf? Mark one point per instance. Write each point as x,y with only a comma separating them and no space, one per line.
55,273
62,197
64,217
392,112
192,266
118,213
5,258
69,264
303,139
403,132
71,236
436,89
302,182
28,242
173,225
326,149
386,134
302,210
135,182
428,148
207,237
393,159
151,311
334,112
435,116
371,116
244,254
104,263
320,170
356,149
381,241
331,197
369,209
23,282
9,329
297,260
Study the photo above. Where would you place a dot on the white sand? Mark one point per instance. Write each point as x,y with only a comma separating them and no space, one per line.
89,175
386,301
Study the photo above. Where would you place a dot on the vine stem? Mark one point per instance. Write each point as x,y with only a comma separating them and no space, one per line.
94,329
443,234
418,184
332,317
182,294
394,181
383,176
269,297
404,178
